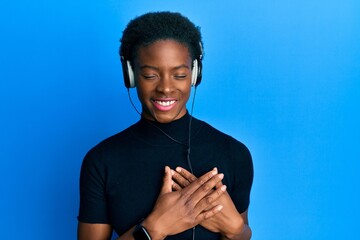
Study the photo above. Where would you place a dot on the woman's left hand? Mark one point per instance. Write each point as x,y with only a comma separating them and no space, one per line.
228,222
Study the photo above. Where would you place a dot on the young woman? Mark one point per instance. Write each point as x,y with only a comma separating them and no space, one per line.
170,175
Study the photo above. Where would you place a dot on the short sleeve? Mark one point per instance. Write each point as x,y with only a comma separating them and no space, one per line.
93,207
244,174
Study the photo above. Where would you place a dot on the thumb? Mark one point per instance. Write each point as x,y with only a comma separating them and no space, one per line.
167,181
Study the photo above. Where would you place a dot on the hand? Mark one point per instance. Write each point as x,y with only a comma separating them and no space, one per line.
177,211
228,222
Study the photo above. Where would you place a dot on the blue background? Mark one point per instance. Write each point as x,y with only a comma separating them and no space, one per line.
281,76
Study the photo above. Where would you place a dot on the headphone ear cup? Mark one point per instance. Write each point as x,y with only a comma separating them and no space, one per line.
129,77
199,73
196,73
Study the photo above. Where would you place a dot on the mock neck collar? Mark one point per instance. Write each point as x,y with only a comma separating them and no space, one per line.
166,133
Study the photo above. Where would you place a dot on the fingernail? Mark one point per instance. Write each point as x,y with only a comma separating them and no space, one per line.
172,172
178,169
223,188
221,175
219,207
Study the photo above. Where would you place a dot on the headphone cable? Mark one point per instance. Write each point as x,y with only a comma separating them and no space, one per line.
167,135
174,140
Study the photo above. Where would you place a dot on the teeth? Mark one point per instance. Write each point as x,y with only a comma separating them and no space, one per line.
165,103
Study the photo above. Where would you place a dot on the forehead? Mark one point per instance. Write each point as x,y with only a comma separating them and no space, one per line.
163,51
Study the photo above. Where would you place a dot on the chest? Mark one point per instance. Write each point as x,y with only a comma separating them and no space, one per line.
134,182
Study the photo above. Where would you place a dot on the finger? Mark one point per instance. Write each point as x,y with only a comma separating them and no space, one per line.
206,202
190,177
179,179
176,187
186,174
205,192
208,214
167,181
189,190
219,185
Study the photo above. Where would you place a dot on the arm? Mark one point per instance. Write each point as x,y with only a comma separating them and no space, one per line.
174,211
245,233
177,211
96,231
229,222
89,231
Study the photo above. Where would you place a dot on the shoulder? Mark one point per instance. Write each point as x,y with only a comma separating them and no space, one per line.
231,155
111,146
214,135
215,141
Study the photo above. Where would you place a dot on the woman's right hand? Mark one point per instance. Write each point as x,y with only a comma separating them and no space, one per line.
177,211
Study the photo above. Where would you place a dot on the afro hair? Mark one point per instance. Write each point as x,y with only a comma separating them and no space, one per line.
151,27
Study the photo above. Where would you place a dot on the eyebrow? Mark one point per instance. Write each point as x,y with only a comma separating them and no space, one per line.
156,68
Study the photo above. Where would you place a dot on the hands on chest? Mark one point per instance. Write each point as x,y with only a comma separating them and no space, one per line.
186,201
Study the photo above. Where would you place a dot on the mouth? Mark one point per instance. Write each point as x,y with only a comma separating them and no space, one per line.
164,104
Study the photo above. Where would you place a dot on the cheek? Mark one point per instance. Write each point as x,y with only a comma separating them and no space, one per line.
140,93
184,88
142,88
186,91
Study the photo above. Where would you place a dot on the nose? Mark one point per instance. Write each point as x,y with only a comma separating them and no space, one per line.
165,84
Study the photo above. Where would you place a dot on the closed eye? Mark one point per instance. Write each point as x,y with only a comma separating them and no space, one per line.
149,76
180,76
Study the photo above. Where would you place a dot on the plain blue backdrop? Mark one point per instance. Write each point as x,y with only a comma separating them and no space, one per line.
281,76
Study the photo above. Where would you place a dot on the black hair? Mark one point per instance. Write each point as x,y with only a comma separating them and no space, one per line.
151,27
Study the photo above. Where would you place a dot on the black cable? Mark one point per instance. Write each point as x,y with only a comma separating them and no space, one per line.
149,122
132,103
188,145
189,140
167,135
188,150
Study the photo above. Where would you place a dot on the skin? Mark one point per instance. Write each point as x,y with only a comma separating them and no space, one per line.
163,78
229,222
163,71
174,211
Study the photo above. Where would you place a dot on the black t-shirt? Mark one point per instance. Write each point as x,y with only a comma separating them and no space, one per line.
121,177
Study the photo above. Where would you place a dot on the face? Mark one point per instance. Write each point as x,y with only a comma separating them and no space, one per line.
163,80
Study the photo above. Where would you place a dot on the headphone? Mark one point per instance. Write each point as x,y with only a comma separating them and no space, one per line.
129,76
196,75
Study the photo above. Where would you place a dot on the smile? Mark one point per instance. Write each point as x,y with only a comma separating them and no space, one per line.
164,105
